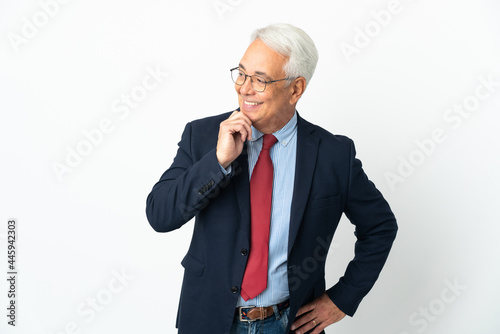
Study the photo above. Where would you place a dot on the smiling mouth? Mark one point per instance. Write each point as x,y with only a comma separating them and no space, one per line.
248,103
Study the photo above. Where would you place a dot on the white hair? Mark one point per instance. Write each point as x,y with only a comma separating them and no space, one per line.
293,43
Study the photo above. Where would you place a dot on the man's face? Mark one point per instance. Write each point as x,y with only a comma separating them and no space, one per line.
271,109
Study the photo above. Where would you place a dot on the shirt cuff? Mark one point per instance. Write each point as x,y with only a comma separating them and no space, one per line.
226,171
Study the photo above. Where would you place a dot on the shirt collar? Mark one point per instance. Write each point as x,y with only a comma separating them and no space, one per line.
284,135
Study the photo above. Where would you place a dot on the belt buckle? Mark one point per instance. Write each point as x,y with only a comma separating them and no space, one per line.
250,307
241,314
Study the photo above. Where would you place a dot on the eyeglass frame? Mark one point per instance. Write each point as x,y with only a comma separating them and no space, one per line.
251,79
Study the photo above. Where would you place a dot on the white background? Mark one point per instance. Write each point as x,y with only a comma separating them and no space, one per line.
78,230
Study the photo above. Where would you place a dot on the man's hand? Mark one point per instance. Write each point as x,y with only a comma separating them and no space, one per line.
318,314
232,135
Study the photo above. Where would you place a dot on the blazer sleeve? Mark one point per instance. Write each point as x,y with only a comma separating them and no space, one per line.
375,230
185,188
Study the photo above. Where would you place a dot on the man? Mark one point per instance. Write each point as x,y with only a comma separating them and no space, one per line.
267,189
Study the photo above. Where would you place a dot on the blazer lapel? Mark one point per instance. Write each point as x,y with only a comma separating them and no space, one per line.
307,151
242,188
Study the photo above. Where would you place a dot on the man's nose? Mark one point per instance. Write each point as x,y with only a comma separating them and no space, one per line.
246,88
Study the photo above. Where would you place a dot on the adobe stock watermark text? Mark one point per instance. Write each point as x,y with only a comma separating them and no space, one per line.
94,137
454,117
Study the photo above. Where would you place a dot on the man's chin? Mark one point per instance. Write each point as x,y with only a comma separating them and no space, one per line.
248,113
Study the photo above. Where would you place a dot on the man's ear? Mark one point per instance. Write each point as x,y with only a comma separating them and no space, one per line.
297,87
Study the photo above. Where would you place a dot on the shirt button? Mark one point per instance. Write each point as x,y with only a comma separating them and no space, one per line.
234,289
244,252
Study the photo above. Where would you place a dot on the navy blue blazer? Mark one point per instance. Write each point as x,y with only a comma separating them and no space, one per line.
329,181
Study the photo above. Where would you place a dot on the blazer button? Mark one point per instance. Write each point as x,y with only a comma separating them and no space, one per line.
244,252
234,289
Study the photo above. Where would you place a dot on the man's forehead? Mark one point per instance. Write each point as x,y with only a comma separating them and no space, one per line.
255,72
262,60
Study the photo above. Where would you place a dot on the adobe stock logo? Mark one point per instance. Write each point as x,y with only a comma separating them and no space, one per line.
90,309
427,146
425,315
221,7
372,29
30,27
94,137
309,265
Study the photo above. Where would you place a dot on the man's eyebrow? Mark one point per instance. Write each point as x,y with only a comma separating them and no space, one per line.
257,72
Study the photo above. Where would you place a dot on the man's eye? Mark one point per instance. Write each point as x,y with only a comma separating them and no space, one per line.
241,74
260,80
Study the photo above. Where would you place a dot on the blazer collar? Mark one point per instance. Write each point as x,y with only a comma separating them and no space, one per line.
307,151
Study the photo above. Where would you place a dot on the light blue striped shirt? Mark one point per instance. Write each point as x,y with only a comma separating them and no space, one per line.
283,155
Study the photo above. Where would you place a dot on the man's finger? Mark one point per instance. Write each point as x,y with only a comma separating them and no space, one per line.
306,308
243,133
318,329
306,328
303,320
247,123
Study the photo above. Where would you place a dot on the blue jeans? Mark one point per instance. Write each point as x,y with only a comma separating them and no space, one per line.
275,324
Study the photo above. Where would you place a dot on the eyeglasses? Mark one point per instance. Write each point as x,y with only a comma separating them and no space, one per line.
258,83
